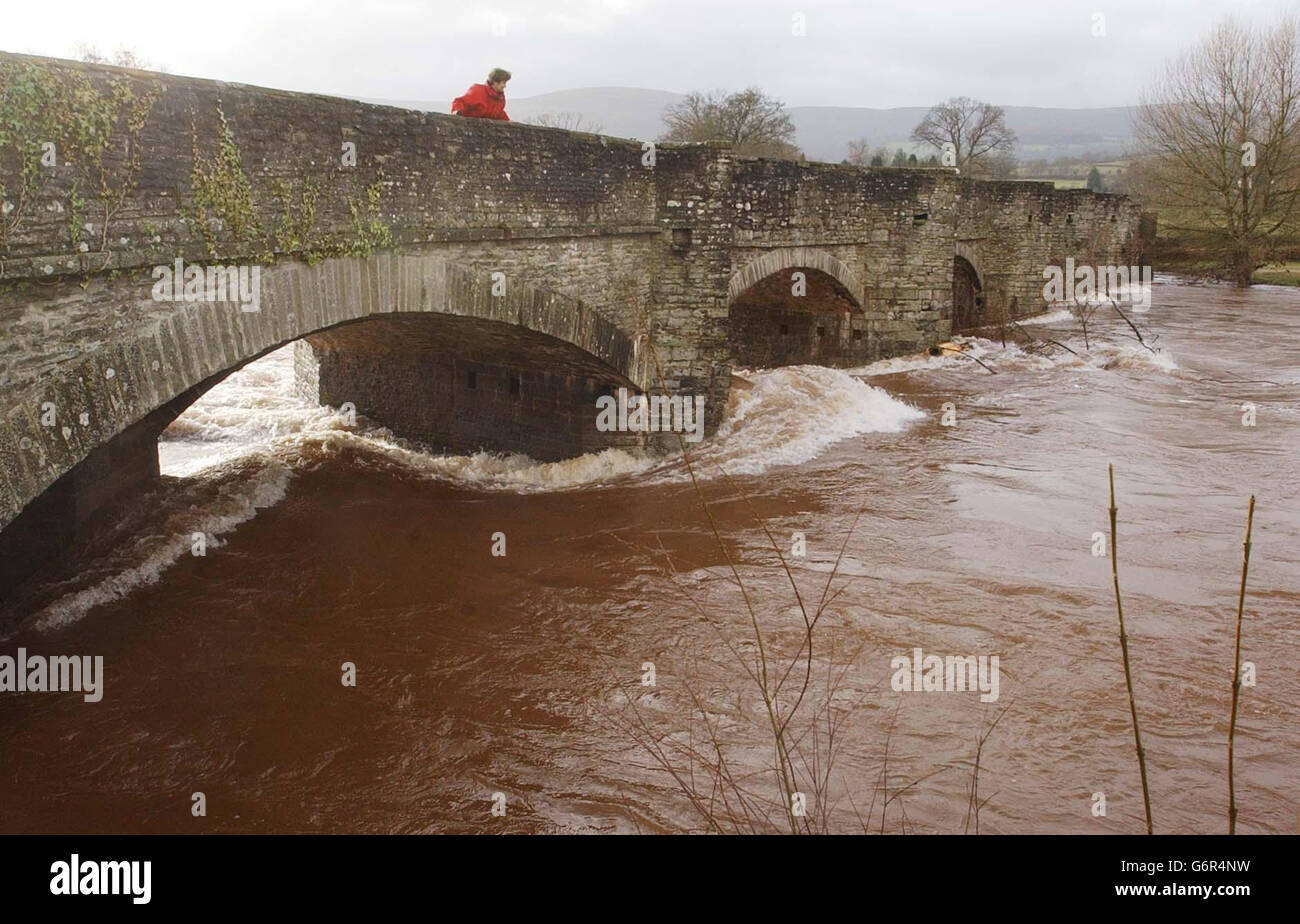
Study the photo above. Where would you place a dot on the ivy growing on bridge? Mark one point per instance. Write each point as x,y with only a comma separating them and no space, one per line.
25,121
370,231
223,198
96,123
220,191
55,118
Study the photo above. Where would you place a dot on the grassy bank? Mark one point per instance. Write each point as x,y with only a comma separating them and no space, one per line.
1279,274
1170,255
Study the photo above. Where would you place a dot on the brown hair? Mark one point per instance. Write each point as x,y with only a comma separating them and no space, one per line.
498,73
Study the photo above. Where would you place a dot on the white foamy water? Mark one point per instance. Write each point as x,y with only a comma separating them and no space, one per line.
253,409
1107,348
775,417
235,451
229,495
790,415
1055,316
784,417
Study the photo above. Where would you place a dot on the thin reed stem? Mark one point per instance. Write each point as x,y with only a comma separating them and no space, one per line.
1236,667
1123,644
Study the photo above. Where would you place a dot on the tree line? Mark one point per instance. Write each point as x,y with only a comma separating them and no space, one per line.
967,134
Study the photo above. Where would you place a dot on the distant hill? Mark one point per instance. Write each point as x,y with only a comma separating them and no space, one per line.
825,131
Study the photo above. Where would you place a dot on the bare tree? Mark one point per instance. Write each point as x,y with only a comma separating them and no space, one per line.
977,131
752,121
569,121
1083,312
123,57
1220,128
859,152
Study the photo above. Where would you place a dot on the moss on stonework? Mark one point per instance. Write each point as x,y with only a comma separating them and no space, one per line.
222,199
52,119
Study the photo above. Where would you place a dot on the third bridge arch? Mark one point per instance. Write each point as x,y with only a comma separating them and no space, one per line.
796,305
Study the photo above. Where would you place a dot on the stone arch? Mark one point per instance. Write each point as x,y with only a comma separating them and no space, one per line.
771,324
969,308
783,258
970,253
168,364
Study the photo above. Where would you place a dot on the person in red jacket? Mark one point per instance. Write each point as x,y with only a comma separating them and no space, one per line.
485,100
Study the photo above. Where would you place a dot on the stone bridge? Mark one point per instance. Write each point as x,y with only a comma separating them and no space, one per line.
469,283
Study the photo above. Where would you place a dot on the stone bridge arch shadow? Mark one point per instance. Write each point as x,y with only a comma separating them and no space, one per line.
512,372
969,309
771,324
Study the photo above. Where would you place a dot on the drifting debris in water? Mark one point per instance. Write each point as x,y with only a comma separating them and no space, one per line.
959,349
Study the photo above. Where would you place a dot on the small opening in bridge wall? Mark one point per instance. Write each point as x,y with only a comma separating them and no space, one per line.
920,218
681,238
471,380
785,329
857,335
1069,218
821,331
1030,219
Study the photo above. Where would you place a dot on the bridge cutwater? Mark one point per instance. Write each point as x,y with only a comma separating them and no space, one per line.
467,283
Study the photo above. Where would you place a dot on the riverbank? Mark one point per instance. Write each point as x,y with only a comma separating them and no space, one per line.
1188,260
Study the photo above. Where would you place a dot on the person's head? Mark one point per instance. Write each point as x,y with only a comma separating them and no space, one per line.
497,79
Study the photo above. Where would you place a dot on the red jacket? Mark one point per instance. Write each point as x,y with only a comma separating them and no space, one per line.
482,102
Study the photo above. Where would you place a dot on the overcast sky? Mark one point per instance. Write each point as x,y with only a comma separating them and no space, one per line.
876,53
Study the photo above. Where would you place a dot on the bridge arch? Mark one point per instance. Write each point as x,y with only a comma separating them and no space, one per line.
792,258
970,253
969,298
89,429
796,305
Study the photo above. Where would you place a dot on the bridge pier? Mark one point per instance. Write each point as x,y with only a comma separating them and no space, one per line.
462,385
53,521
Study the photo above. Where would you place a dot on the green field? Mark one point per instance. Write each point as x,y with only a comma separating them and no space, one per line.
1279,274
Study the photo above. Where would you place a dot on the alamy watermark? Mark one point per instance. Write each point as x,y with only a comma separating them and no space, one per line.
923,673
76,876
651,414
1084,284
183,282
56,674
